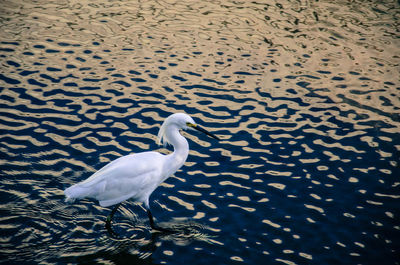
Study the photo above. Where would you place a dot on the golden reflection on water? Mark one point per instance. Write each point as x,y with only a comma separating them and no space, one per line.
303,94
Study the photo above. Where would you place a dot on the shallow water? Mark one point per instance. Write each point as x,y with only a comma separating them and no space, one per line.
303,94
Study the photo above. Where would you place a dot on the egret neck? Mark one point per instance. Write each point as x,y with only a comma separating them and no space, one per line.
181,150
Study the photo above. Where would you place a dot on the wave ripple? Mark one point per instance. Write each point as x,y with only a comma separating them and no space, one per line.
304,96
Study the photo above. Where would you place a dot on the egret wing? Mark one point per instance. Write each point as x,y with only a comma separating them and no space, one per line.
129,165
126,177
138,188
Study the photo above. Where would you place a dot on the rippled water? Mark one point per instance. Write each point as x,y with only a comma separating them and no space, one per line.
304,95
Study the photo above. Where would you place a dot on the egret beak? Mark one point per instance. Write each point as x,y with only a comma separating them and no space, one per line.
197,127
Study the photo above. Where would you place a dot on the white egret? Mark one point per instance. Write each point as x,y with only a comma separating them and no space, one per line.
136,176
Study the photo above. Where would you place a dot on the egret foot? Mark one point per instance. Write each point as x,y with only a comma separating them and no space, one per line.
156,227
109,219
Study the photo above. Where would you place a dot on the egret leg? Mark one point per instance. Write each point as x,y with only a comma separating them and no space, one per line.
156,227
113,211
109,219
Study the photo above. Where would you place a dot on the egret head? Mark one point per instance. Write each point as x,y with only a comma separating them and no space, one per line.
179,121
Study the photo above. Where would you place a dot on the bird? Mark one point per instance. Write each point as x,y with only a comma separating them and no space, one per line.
135,176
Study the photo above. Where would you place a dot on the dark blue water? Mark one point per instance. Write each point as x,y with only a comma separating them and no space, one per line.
304,96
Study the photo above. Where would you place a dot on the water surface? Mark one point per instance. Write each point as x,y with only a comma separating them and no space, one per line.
303,94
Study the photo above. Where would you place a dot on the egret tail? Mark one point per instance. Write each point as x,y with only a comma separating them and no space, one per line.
76,192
